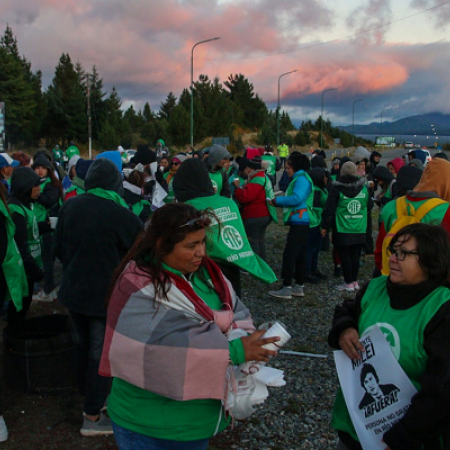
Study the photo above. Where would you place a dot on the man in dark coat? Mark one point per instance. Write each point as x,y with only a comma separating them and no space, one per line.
93,234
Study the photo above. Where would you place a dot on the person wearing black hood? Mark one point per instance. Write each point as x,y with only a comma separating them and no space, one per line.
25,189
94,232
346,214
228,245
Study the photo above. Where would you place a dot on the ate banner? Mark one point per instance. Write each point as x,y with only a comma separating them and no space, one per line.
376,389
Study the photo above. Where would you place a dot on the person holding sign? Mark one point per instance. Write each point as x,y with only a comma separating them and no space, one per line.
412,309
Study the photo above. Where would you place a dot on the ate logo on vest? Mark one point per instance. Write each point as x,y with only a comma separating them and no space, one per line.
354,207
391,335
232,238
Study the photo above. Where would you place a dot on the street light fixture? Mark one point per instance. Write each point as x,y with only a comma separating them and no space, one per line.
353,128
321,115
192,85
381,122
278,105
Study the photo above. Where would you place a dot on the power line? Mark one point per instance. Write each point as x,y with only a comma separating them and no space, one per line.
367,30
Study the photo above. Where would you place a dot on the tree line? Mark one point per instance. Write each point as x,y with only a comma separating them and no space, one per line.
58,114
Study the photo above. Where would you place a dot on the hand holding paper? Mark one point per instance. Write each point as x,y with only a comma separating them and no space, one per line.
350,344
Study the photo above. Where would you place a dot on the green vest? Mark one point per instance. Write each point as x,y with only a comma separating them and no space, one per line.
16,279
351,213
315,212
139,206
34,243
267,184
217,181
228,241
71,151
272,162
403,329
289,211
40,211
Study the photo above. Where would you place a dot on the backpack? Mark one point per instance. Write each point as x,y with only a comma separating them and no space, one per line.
406,215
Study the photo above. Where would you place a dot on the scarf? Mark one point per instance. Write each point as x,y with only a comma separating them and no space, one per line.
176,347
108,195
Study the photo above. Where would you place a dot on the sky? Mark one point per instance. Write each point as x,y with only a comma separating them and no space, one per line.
394,55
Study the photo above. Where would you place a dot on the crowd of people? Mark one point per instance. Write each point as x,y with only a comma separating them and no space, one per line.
153,248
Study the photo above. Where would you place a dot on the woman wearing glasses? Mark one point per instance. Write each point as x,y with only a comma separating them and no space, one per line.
169,317
413,301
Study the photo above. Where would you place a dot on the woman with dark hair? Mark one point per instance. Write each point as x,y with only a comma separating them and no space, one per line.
296,206
413,303
47,204
174,165
169,317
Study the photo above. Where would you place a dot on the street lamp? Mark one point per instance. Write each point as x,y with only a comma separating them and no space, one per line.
381,122
192,85
321,116
278,105
353,129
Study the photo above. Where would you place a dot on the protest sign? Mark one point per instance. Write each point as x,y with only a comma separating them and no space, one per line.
376,389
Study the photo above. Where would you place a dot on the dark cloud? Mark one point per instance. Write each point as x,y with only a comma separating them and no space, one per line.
440,11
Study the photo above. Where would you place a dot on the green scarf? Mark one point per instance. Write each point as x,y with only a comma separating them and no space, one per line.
108,195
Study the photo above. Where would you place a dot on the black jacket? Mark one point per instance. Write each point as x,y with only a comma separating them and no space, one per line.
131,198
350,187
92,236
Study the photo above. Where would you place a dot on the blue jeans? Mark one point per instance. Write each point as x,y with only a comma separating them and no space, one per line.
130,440
88,333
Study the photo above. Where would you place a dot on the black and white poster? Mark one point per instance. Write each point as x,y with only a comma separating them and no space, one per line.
376,389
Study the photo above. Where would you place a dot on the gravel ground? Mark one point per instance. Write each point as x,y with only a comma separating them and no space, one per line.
296,416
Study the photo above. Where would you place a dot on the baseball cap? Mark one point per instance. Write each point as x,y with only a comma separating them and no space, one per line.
6,160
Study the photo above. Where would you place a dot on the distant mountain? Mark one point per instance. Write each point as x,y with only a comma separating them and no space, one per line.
421,125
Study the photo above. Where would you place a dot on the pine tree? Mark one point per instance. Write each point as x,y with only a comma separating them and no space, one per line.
98,108
167,107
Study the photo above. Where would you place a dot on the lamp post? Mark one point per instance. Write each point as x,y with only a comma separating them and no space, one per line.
278,105
321,116
353,128
381,121
192,85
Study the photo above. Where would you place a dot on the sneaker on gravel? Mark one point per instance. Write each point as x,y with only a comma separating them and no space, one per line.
41,296
3,430
355,285
285,292
345,287
297,291
101,427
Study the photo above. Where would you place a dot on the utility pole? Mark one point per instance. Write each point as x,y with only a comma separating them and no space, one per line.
88,95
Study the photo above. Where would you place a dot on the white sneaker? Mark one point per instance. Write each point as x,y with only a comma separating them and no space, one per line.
285,292
41,296
297,291
55,292
355,285
3,430
345,287
101,427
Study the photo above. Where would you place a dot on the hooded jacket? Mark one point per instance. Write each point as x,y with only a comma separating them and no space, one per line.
192,181
92,236
384,174
23,180
349,186
397,163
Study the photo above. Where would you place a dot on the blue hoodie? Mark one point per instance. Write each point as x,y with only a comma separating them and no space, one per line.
300,193
114,156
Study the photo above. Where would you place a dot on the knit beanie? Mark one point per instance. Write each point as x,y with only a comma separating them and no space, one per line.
255,163
349,169
82,167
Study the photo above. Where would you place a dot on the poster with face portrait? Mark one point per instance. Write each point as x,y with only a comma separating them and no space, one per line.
376,389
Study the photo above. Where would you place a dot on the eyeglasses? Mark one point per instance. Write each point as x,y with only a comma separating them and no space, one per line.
175,163
199,222
399,253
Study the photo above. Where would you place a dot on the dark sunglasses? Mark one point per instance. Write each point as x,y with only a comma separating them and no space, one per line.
199,222
175,163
